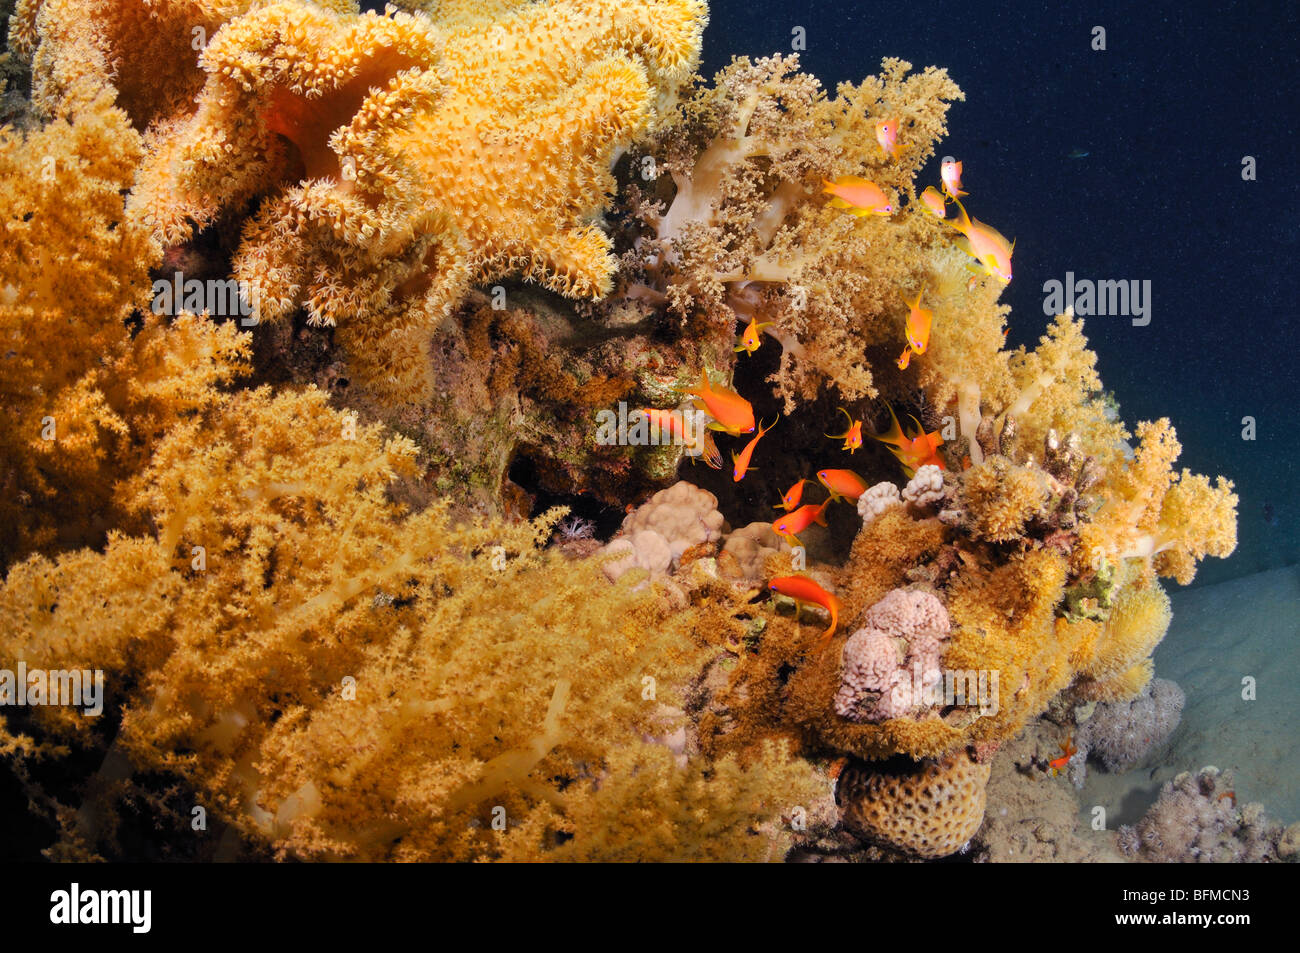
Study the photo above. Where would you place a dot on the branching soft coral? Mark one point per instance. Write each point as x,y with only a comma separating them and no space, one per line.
341,679
746,237
82,398
1058,389
1167,519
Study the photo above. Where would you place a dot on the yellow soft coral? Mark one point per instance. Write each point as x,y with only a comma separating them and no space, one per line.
82,398
1167,519
1058,389
145,51
1137,623
399,159
1001,498
340,679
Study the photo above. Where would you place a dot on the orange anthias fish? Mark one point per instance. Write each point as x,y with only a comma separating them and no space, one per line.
857,196
806,591
730,411
792,496
842,484
919,320
887,136
673,423
740,463
670,422
984,243
852,437
1069,751
749,340
935,202
798,521
950,172
913,450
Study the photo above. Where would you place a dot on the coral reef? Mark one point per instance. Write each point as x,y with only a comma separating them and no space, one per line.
347,681
486,245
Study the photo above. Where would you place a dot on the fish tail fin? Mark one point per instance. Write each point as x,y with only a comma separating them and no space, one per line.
894,435
712,456
963,223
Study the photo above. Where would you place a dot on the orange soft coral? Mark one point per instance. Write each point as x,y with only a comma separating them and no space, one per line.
145,51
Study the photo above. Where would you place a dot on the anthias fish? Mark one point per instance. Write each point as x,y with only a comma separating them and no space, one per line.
740,461
857,196
730,412
950,172
793,523
805,591
852,437
935,202
842,484
792,496
984,243
887,136
913,450
750,340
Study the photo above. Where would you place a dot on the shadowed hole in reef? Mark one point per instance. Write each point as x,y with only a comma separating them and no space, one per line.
606,518
796,447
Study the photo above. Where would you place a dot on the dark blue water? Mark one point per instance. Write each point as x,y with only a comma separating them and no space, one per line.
1166,114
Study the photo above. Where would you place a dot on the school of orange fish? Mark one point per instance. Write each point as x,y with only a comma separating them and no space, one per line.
913,448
